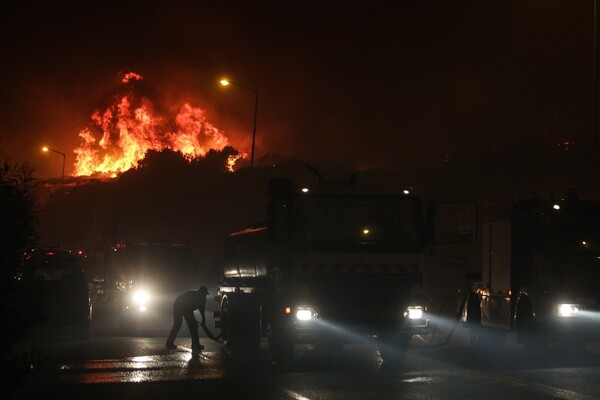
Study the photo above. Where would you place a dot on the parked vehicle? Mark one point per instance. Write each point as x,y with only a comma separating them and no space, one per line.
57,282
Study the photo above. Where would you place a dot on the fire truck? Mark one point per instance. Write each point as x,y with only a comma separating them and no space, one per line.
540,274
334,263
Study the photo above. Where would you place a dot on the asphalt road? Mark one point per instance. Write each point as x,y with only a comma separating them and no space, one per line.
108,366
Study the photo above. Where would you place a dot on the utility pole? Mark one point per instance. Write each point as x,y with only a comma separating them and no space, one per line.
593,189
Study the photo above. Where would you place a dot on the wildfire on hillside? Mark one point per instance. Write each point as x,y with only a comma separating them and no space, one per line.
121,134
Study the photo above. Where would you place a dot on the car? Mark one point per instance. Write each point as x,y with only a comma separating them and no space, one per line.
64,300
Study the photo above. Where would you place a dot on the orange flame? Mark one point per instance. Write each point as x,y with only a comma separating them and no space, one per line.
122,134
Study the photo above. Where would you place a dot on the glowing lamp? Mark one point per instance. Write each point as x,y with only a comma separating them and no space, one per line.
304,315
227,82
567,310
62,177
141,297
414,312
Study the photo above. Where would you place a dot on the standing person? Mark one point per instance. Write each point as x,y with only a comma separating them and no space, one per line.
183,307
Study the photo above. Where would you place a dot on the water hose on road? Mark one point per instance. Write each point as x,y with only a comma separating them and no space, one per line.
456,321
210,335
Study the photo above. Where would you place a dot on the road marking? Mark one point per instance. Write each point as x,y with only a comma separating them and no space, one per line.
295,396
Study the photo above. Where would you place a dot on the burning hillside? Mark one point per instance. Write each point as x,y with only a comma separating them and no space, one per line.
124,131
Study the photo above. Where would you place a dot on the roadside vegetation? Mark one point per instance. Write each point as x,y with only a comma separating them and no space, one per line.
18,232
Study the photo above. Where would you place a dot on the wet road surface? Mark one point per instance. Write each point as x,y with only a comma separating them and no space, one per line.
111,367
117,367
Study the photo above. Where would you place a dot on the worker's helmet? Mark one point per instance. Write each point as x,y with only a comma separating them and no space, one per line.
203,290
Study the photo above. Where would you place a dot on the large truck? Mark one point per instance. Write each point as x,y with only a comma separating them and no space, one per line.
334,263
540,274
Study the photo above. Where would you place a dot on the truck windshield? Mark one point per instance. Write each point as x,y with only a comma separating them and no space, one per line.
365,221
170,265
581,228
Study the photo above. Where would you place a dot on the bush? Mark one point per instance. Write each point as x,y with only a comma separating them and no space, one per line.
18,233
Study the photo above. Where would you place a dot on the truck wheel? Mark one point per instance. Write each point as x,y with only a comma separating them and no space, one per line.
225,322
280,348
240,325
283,355
246,326
393,348
252,336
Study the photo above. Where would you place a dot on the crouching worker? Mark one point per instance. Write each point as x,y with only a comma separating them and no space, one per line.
183,307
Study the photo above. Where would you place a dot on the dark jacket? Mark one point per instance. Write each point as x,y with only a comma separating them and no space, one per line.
189,302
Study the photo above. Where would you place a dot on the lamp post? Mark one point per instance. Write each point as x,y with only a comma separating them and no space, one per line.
595,104
226,82
62,177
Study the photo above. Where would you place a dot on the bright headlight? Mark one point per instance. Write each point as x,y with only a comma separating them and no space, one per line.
304,313
568,310
414,312
141,297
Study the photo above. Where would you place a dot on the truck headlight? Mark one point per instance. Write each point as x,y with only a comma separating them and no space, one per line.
414,312
568,310
140,299
306,313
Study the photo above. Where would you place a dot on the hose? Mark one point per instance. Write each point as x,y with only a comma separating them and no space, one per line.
451,333
210,335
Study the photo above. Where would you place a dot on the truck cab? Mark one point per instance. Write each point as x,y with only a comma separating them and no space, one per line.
332,264
146,277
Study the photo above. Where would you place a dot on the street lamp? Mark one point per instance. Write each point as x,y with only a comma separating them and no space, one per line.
226,82
62,177
595,143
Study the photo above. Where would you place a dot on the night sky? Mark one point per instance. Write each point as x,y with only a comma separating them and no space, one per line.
373,84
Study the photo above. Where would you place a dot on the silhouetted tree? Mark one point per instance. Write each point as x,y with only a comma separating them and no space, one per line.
18,232
217,160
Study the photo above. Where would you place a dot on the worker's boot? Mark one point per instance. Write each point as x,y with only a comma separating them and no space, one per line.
197,349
